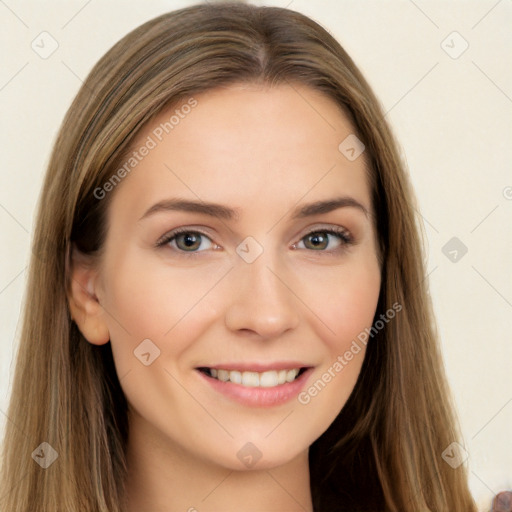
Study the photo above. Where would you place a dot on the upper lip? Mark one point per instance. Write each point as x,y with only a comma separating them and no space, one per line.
257,367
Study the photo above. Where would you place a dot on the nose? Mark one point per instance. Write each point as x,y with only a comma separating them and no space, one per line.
262,302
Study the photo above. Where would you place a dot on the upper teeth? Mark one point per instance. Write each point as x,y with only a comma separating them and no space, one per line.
255,379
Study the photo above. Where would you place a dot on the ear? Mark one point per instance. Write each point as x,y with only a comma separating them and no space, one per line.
84,305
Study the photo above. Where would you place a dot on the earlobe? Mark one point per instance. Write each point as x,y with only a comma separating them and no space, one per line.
84,305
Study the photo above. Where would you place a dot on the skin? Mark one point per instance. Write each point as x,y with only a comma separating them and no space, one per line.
263,152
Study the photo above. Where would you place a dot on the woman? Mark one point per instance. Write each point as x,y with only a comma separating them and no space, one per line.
227,306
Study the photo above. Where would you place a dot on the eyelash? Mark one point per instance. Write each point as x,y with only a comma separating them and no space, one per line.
342,234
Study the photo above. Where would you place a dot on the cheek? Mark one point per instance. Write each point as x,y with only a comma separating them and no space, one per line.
351,307
345,299
156,302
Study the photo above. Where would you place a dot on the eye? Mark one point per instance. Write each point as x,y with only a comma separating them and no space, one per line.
191,241
187,241
324,240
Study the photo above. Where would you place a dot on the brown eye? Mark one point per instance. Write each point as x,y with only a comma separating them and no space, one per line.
187,241
325,240
317,241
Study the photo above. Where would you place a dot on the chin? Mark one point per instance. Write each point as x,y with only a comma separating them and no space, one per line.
258,452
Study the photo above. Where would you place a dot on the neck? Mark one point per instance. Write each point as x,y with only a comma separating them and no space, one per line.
167,479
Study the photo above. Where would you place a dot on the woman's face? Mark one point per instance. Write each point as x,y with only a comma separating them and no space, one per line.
273,272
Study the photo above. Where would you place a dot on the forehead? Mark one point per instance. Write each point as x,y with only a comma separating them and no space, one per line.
247,145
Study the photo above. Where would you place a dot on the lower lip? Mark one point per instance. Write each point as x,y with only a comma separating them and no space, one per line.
258,396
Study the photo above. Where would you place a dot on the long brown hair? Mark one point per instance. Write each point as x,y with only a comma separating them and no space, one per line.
384,451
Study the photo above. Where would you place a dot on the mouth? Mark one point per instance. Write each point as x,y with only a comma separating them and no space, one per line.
256,385
253,379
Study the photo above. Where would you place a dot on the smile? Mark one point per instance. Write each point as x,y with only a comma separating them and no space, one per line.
267,379
268,388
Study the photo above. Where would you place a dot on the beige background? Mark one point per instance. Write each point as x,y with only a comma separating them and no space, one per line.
451,115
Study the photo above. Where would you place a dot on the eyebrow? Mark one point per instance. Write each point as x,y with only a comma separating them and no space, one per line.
227,213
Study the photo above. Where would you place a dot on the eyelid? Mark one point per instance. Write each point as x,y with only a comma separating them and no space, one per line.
333,228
